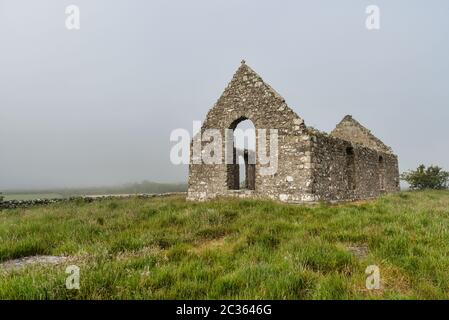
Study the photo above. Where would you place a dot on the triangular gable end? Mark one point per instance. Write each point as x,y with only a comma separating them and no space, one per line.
241,93
351,130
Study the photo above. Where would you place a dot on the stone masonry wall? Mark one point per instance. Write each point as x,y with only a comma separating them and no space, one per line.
248,97
15,204
348,164
337,177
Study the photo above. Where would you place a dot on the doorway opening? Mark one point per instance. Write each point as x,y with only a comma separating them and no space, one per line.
242,172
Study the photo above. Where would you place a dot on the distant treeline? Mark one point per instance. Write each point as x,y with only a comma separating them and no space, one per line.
129,188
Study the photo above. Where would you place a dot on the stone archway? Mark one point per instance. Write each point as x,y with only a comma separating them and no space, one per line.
241,174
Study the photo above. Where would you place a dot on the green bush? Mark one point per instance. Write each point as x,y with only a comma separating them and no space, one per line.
432,177
1,197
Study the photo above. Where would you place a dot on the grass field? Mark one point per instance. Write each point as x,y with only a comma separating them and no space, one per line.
167,248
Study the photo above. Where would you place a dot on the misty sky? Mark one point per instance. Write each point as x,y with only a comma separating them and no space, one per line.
96,106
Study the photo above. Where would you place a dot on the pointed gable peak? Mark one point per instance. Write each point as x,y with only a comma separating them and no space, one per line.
246,70
349,120
348,117
247,95
246,75
351,130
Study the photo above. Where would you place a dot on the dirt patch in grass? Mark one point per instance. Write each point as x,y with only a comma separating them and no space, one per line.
17,264
359,250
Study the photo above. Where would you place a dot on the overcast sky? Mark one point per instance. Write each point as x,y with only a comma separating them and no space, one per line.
96,106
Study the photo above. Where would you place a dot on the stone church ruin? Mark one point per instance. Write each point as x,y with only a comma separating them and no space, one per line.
350,163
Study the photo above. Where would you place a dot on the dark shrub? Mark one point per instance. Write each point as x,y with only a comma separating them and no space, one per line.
432,177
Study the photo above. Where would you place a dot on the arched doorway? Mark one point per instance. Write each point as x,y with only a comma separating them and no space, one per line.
242,172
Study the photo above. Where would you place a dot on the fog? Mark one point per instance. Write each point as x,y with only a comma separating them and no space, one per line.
96,106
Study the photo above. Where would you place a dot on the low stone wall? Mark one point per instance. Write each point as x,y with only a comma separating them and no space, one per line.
14,204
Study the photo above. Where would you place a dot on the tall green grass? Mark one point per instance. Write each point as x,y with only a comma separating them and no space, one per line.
167,248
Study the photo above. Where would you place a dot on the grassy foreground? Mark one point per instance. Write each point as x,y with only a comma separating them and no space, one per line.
167,248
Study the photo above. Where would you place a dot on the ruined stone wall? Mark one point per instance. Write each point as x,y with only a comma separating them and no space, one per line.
392,181
351,163
291,182
248,97
15,204
330,178
348,171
